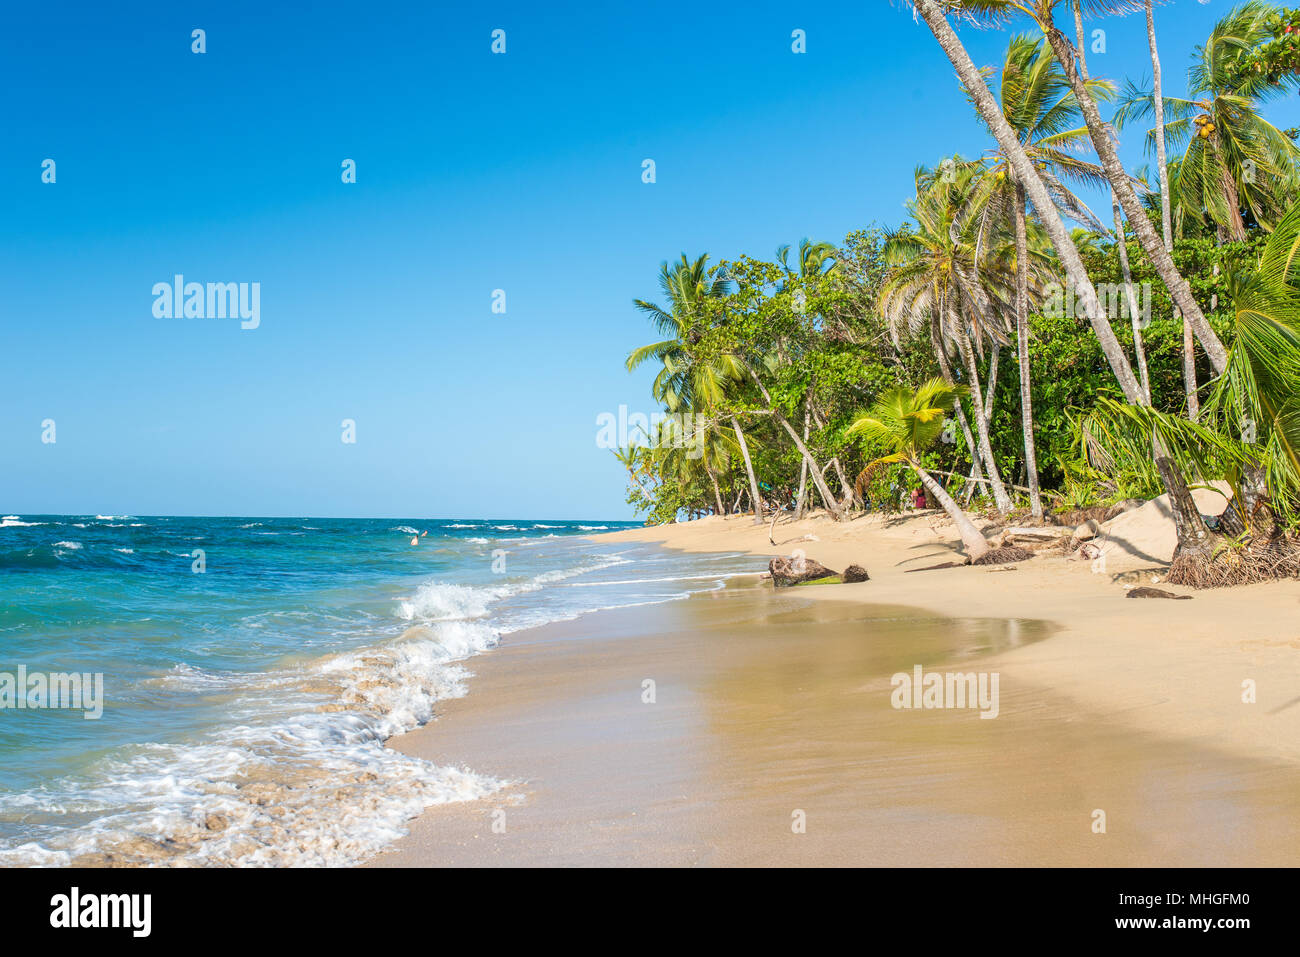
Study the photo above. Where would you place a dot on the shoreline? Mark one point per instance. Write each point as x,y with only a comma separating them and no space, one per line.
1254,629
1122,698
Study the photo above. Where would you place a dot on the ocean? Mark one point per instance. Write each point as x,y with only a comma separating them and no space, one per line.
253,667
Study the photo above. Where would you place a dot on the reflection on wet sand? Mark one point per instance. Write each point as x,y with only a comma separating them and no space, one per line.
770,710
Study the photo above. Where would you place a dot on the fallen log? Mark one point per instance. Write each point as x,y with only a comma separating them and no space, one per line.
792,571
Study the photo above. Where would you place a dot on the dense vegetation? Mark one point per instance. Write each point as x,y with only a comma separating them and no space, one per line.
989,354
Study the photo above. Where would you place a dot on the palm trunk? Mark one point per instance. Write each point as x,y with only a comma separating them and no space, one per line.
991,386
755,500
847,495
1138,347
1160,257
1166,209
639,484
1162,158
1022,355
1236,225
1189,372
1194,539
945,369
976,546
1055,227
782,421
1078,34
1000,497
974,481
717,492
1037,190
803,474
823,475
822,489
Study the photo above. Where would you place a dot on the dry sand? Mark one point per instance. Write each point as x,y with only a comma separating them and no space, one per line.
774,703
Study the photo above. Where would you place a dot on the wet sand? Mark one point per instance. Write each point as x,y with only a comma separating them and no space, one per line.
770,705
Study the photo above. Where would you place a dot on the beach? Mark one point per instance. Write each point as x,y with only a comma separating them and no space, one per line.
1128,732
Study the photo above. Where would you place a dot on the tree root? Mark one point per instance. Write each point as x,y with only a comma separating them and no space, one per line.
1228,564
1000,556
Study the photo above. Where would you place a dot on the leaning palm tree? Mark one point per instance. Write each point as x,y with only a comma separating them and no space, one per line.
813,260
1233,157
1250,433
941,277
1117,215
1042,111
906,423
1042,12
683,382
935,13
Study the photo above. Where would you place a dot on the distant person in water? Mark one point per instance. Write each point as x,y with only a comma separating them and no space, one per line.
918,498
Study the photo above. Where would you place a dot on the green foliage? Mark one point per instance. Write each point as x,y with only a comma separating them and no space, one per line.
1275,60
807,341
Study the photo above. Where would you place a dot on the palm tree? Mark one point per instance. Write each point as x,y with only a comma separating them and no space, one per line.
814,260
943,278
1041,109
1233,158
1139,349
1250,433
683,382
701,454
934,14
635,460
905,424
1121,242
1264,367
1042,12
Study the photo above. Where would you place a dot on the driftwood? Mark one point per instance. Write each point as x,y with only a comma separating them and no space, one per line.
792,571
1145,592
931,568
1047,533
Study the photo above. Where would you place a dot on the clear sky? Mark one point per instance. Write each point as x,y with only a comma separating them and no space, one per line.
475,172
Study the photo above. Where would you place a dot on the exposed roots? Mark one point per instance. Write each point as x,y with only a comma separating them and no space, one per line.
1003,555
1231,564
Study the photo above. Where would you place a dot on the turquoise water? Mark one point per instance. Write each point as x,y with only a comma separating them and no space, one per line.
246,700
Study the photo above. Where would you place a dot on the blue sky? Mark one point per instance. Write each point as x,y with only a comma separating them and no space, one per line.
475,172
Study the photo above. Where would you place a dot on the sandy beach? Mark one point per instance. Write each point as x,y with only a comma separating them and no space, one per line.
771,738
